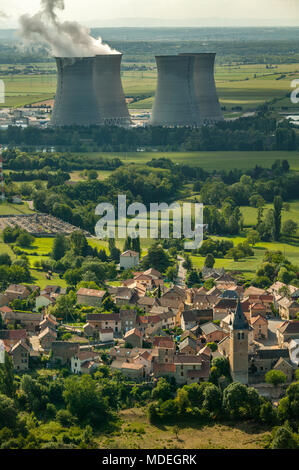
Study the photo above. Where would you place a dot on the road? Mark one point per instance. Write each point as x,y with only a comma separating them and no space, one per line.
182,273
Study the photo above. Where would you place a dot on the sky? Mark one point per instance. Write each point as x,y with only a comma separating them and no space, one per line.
91,11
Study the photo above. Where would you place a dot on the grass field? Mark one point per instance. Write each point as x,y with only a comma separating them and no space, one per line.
250,213
137,433
238,85
248,266
14,209
207,160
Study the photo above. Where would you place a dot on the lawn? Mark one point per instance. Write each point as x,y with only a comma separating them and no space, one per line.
14,209
248,266
250,214
137,433
207,160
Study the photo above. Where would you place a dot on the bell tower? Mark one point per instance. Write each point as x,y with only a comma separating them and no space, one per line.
238,358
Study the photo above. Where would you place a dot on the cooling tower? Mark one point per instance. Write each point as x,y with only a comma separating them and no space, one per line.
175,101
109,91
75,102
205,87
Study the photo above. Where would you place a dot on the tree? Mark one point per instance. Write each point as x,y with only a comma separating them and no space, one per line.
253,237
209,261
25,240
156,258
5,259
59,247
187,264
277,216
283,439
162,391
213,346
8,412
289,228
171,273
7,383
275,377
193,278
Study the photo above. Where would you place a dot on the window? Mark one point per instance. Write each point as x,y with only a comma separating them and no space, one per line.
182,374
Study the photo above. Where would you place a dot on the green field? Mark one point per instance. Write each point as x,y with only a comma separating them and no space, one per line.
207,160
14,209
248,266
250,213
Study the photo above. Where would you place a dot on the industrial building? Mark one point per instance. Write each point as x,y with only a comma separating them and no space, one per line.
175,101
89,92
205,88
186,93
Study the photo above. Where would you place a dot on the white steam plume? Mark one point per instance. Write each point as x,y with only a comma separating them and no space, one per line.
67,39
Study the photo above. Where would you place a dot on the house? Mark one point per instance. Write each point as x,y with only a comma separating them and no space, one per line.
175,293
91,297
208,273
287,331
223,307
84,360
129,259
20,354
153,273
48,322
288,308
63,351
254,291
260,327
145,358
263,360
191,369
168,319
12,337
258,309
106,335
28,321
284,366
128,319
16,291
43,301
294,351
147,303
46,338
212,333
134,338
133,371
188,346
125,296
165,348
191,318
101,321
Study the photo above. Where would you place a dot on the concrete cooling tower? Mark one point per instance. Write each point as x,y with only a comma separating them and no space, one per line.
75,102
205,88
109,91
90,92
175,101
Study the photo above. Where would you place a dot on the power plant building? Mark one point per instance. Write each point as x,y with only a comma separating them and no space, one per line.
90,92
186,92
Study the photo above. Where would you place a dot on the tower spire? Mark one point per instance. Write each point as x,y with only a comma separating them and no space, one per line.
239,320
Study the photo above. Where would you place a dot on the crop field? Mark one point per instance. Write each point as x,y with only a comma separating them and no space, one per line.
14,209
207,160
238,85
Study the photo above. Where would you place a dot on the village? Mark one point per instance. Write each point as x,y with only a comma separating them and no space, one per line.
157,331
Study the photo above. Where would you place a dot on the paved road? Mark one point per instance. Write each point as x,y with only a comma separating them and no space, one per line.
182,273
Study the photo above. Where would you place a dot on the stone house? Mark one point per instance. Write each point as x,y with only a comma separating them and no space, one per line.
91,297
191,369
288,308
106,335
263,360
20,354
191,318
129,259
81,358
188,346
26,320
12,337
212,333
284,366
46,338
134,338
63,351
260,327
133,370
223,307
146,360
128,320
16,291
101,321
287,331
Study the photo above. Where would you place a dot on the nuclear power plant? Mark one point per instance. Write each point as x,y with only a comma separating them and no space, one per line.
186,92
205,88
75,102
111,101
90,92
175,101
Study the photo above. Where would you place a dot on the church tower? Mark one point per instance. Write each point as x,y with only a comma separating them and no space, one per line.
238,358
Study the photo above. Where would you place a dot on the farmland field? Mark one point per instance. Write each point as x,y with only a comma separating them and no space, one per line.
14,209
